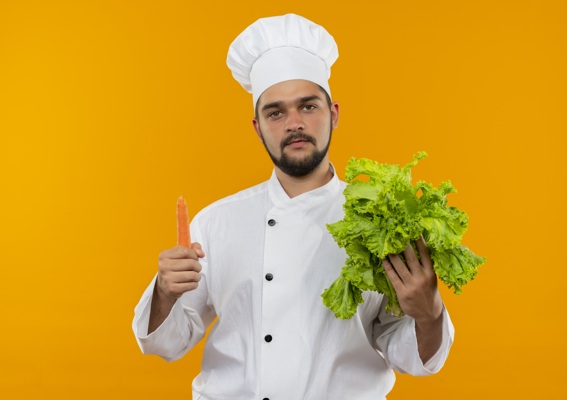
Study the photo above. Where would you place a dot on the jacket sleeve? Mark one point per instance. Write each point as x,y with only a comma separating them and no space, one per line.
396,339
185,325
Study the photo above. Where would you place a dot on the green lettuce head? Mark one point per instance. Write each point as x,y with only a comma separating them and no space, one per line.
385,213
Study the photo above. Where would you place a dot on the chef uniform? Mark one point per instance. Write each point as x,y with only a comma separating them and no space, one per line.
268,258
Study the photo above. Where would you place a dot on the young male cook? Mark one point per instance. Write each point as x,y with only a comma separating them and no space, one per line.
262,257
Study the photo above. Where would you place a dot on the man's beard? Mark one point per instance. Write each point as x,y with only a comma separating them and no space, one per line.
298,167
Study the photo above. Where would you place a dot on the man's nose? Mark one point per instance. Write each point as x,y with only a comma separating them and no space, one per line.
294,122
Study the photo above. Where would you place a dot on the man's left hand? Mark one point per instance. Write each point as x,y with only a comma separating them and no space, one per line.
415,283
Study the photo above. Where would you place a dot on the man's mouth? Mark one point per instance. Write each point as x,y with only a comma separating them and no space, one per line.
297,140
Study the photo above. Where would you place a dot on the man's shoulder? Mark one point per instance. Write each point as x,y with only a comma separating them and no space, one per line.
253,196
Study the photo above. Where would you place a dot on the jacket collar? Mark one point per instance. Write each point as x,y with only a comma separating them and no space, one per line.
306,200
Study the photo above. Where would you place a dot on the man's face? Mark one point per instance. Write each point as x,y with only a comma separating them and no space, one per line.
294,121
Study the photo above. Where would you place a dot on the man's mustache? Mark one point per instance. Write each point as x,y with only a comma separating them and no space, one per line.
297,136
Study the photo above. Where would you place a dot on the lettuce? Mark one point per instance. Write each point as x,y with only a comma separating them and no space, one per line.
383,214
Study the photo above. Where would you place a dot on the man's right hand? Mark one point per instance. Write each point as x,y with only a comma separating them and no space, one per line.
178,272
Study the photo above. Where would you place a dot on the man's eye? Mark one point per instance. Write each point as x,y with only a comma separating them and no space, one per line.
309,107
274,114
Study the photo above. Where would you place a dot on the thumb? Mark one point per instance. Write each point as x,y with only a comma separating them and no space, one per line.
198,249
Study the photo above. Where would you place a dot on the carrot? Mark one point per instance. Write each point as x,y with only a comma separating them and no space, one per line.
183,235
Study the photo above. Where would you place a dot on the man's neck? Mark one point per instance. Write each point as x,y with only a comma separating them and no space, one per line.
294,186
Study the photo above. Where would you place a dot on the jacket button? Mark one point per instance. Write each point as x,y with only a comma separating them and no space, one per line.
272,222
268,338
269,277
265,398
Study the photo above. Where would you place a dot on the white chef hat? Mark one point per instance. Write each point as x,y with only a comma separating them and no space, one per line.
277,49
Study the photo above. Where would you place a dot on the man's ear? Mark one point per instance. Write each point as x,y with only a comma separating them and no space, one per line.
335,114
256,126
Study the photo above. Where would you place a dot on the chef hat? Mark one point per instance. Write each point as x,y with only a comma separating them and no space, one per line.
277,49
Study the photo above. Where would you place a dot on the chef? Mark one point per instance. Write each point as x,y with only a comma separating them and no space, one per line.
263,256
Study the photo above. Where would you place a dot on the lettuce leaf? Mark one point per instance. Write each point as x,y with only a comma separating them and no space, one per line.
383,214
342,297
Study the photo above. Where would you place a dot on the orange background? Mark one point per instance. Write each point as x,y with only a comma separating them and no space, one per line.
109,110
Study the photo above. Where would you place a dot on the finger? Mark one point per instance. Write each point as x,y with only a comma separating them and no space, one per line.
424,254
176,290
178,252
400,267
185,287
186,277
392,274
412,261
198,249
175,283
181,265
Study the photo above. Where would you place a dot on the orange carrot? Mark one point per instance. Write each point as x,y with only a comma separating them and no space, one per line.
183,236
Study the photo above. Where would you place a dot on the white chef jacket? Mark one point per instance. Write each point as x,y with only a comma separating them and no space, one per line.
268,258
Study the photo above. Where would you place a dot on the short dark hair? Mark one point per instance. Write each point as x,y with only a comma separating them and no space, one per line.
327,97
